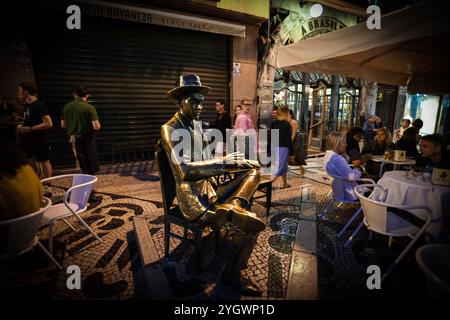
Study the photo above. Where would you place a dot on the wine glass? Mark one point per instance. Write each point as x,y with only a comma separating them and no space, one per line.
409,172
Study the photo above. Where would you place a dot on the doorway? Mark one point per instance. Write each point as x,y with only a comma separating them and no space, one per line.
318,119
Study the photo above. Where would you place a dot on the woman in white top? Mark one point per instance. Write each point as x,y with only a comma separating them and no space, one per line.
335,163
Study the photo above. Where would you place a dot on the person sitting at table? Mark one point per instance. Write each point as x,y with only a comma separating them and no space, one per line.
399,132
433,152
418,124
376,147
21,190
354,137
408,143
336,164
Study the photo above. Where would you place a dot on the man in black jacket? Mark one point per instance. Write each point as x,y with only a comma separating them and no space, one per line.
222,123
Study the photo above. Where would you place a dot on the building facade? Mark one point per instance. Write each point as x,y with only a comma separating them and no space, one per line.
130,54
321,103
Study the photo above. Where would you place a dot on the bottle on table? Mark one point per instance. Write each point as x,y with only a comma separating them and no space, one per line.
427,172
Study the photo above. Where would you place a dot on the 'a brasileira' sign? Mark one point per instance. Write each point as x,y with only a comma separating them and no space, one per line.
315,26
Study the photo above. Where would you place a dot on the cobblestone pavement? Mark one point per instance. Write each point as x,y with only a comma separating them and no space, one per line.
112,270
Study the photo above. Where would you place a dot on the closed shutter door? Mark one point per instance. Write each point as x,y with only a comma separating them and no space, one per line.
129,68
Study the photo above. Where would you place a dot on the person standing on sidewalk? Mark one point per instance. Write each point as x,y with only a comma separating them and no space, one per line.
80,119
34,136
222,123
284,145
296,158
244,121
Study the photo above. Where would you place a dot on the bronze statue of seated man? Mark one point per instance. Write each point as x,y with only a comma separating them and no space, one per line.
199,198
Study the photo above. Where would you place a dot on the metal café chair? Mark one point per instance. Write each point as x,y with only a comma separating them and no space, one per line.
338,197
75,202
386,219
22,233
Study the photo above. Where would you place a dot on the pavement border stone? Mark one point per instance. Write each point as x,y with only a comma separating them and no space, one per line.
157,284
303,272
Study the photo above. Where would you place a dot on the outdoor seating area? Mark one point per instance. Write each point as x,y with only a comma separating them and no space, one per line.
340,270
177,154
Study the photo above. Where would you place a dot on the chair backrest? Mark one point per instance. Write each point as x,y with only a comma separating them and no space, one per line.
167,179
80,195
339,185
434,261
374,211
378,213
22,231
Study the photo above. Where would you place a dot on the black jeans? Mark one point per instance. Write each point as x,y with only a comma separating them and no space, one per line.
87,153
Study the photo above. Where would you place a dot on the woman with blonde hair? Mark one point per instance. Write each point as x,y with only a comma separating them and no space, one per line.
285,144
335,163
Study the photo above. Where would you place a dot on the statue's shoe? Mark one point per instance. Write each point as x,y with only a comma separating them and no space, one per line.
244,219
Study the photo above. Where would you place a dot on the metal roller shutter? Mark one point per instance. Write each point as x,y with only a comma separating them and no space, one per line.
129,67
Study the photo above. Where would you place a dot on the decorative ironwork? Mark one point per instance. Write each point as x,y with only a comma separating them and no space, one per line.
297,77
222,179
278,74
350,83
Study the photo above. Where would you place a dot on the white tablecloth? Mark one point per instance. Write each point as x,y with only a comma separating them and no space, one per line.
415,192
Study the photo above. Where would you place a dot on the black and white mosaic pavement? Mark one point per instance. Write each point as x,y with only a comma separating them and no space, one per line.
112,269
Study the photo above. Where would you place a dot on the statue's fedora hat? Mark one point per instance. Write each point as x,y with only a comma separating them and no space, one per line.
187,84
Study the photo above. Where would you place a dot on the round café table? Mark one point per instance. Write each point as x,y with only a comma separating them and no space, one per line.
397,164
403,189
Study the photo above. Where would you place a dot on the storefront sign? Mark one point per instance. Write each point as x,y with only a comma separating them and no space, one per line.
300,24
314,27
162,18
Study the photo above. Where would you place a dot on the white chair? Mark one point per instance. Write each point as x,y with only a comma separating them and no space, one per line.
22,233
338,197
75,202
380,218
434,261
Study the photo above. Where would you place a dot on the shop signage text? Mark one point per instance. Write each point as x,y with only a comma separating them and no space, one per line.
162,18
323,24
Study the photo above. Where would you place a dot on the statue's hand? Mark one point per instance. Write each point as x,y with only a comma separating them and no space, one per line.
237,159
233,158
253,163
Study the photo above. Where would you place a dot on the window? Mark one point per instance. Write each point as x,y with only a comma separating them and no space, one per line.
425,107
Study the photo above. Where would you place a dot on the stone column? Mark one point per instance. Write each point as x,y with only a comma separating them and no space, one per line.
368,97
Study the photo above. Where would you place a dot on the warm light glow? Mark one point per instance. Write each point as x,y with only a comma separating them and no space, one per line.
316,10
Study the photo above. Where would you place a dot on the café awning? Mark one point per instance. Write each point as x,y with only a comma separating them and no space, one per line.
412,48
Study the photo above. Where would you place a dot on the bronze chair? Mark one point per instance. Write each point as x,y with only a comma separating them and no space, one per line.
265,187
174,216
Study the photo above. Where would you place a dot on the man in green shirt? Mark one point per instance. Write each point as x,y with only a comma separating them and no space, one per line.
80,119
